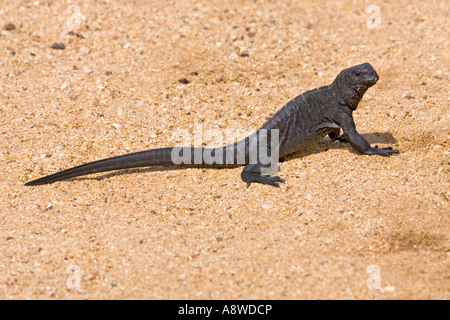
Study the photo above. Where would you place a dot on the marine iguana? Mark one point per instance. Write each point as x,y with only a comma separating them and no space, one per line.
307,118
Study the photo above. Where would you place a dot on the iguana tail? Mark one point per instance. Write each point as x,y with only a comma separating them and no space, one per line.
183,156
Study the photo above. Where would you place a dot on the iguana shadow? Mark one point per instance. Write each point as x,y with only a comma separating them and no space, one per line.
319,147
326,144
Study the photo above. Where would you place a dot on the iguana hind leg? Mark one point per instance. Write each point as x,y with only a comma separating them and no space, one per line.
334,135
252,173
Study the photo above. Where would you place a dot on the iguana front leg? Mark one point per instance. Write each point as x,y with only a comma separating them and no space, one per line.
359,143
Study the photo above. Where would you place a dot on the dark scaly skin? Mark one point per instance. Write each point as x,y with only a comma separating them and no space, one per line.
302,121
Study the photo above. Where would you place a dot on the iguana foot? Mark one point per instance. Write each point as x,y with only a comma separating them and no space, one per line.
250,177
386,152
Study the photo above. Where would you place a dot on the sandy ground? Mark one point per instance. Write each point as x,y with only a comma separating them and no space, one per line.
343,226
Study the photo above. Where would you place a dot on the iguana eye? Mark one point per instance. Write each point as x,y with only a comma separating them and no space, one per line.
356,73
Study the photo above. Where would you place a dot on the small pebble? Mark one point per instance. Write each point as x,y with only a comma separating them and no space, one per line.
92,276
86,70
437,147
58,46
244,54
76,34
183,81
11,51
9,27
267,205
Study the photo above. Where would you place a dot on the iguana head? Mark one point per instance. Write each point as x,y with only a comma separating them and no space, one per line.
353,83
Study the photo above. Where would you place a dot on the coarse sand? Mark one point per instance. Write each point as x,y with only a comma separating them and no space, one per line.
85,80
